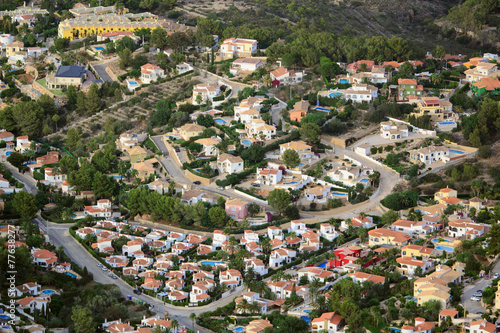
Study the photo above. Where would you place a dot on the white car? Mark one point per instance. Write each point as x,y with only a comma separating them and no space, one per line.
475,298
104,269
496,275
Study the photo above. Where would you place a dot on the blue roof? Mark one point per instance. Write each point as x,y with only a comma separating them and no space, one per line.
71,71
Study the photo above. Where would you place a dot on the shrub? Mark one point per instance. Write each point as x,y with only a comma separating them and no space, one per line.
484,151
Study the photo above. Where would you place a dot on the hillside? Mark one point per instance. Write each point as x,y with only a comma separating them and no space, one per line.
409,19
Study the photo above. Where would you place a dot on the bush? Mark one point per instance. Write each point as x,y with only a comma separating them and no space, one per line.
291,212
484,151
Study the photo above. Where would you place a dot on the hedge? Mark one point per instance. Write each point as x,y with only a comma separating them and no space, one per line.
218,98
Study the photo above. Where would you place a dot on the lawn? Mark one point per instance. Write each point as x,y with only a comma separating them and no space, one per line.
55,92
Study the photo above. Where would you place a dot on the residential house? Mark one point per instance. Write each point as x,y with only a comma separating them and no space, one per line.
445,313
103,245
231,277
13,48
285,76
159,185
102,209
247,65
269,176
183,68
383,236
358,222
429,155
187,131
299,111
141,264
351,175
219,238
236,209
180,247
481,71
408,266
192,197
199,293
486,85
314,273
30,288
281,257
257,128
67,76
328,232
53,178
133,248
6,136
31,303
421,228
117,261
209,146
146,168
246,116
275,233
363,65
390,130
257,265
304,150
421,326
467,229
250,298
230,164
438,110
360,93
329,322
409,87
249,236
445,193
363,277
317,193
151,73
258,326
137,154
177,296
23,143
311,241
4,183
376,75
482,326
44,258
237,47
206,91
435,285
298,227
411,250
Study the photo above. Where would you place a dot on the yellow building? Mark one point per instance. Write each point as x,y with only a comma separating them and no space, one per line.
438,110
90,25
418,251
137,154
383,236
187,131
11,49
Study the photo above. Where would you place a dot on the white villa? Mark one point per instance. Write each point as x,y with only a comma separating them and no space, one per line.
390,130
227,163
151,73
259,129
350,175
429,155
206,91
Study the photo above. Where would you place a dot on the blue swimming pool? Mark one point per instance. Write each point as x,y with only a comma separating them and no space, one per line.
133,83
447,123
322,109
118,177
255,219
71,274
339,193
211,263
436,240
8,153
444,248
334,94
301,164
246,142
239,329
99,48
322,265
4,317
343,81
307,311
220,121
364,181
459,152
197,169
306,318
291,183
48,292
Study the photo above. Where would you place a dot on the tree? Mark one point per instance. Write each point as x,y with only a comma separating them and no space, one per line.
29,118
389,217
279,199
253,209
287,60
192,316
82,320
103,186
159,38
177,58
25,205
291,158
93,101
310,132
253,154
493,237
217,216
125,58
195,147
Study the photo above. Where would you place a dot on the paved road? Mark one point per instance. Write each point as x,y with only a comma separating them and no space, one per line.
101,70
28,181
474,306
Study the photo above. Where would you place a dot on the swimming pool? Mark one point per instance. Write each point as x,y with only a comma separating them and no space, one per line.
48,292
220,121
133,83
291,183
322,109
8,153
211,263
436,240
364,181
239,329
447,123
306,318
322,265
246,142
118,177
334,94
197,169
99,48
4,317
71,274
343,81
307,311
445,248
459,152
339,193
301,164
256,219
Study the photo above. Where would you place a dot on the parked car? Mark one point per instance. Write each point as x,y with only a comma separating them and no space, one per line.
496,275
256,185
99,265
475,298
110,274
104,269
221,188
197,182
137,291
478,293
178,150
114,277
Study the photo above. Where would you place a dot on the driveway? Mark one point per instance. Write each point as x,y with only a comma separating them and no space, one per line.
101,70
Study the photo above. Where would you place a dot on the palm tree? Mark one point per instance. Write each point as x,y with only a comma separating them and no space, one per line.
192,316
254,307
362,233
134,173
278,276
314,289
242,306
173,326
122,169
266,245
